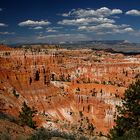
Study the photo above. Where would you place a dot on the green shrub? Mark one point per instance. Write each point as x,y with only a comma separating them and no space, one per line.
128,121
26,116
45,134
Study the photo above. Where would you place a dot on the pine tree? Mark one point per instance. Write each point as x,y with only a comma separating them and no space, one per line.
128,119
26,116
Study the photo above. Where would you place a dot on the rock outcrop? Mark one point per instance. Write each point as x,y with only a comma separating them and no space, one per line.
66,86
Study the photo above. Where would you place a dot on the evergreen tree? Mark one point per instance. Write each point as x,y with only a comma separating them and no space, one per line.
26,116
128,119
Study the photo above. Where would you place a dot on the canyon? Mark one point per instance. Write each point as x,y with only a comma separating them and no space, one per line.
71,89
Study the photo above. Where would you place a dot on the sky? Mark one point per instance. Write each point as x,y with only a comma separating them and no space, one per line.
52,21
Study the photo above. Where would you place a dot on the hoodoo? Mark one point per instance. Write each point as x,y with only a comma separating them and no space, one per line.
70,89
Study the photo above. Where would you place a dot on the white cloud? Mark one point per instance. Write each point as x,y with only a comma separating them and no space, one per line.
90,16
107,28
65,14
54,36
98,27
129,29
105,12
37,28
34,23
3,25
85,21
101,12
7,33
51,29
64,37
133,12
0,9
99,21
125,30
116,11
72,22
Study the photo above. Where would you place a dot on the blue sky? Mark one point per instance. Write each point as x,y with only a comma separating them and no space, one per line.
32,21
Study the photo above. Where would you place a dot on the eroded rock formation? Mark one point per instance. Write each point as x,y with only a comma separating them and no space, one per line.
71,89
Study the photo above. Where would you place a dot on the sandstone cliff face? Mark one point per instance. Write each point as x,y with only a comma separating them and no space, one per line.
66,86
